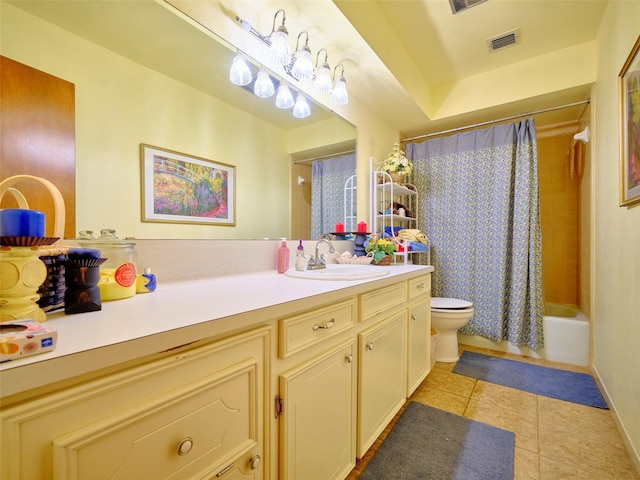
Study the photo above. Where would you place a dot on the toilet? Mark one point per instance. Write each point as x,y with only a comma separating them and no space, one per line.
447,316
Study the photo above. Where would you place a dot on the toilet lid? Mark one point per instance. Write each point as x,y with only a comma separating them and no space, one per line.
449,303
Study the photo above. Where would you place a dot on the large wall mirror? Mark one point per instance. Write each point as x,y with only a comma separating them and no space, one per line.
145,73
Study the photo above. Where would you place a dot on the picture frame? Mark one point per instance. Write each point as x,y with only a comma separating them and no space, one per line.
629,87
181,188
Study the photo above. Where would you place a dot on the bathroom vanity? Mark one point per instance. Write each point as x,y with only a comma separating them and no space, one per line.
255,375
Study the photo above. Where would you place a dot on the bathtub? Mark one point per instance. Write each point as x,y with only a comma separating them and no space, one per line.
566,337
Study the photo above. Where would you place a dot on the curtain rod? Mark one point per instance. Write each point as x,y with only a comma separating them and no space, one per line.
490,122
325,157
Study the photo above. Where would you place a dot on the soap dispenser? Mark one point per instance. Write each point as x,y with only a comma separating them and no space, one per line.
283,256
301,262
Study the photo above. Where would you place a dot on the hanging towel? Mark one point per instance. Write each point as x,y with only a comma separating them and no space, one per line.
575,158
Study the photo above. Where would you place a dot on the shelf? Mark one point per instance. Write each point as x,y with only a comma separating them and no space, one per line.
396,188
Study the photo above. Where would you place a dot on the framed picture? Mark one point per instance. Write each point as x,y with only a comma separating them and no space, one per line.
629,85
180,188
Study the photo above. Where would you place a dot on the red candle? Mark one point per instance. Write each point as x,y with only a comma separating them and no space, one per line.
339,227
362,227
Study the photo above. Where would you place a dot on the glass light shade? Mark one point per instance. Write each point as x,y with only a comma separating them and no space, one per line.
323,79
240,73
284,98
301,109
302,67
339,94
279,48
263,87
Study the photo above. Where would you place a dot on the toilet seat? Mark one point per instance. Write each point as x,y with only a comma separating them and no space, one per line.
453,305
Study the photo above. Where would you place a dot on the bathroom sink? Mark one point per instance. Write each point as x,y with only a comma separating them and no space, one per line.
340,272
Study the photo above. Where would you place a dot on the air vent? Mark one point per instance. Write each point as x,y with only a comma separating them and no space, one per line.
461,5
504,40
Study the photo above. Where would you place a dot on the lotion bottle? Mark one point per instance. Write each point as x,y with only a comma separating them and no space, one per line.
283,256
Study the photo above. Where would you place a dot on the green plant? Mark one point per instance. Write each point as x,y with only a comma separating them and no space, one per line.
380,248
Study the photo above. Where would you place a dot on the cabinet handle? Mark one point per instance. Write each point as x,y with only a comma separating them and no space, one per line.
370,346
223,471
349,358
326,326
420,285
254,462
413,317
185,446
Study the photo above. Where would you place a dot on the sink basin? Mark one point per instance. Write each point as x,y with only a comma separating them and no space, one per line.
340,272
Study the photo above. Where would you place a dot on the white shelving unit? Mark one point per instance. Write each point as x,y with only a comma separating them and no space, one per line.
385,194
350,200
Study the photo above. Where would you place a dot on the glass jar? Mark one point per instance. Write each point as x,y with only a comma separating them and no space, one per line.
118,272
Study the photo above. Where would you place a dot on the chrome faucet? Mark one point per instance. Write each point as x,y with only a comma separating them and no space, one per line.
317,262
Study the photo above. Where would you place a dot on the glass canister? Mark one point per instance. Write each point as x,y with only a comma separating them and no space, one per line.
118,272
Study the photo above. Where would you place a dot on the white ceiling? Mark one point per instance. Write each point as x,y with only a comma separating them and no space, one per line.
392,50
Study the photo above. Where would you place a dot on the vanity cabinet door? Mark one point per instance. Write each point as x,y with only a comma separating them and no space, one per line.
382,377
318,417
418,344
194,414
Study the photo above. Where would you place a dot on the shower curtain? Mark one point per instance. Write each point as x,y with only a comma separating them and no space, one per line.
328,178
481,213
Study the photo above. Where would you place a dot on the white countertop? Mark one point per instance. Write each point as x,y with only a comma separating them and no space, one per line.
175,314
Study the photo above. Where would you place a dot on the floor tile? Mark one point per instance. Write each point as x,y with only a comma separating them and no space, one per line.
525,465
441,399
523,424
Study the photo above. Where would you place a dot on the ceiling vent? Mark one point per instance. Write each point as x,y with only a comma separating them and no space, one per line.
504,40
460,5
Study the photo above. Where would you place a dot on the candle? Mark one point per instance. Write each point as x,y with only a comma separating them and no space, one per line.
362,227
16,222
339,227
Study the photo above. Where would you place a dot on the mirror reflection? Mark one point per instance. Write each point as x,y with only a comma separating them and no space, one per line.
145,74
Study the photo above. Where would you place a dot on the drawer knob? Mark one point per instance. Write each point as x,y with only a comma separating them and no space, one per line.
254,462
185,446
370,346
326,326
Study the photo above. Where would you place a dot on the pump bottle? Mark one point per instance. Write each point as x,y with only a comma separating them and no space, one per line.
283,256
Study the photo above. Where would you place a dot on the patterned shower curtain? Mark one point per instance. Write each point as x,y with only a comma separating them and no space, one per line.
328,178
481,213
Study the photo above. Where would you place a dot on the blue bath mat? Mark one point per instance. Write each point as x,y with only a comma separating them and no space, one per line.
430,443
549,382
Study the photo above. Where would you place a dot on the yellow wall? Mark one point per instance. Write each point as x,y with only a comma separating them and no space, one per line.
616,252
120,104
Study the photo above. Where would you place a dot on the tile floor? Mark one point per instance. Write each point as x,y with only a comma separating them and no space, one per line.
555,440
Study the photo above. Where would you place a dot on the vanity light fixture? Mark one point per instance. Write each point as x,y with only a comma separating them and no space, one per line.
263,87
279,38
240,74
323,73
302,66
339,94
301,108
284,98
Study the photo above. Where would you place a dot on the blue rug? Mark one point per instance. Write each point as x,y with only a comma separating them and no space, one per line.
428,443
549,382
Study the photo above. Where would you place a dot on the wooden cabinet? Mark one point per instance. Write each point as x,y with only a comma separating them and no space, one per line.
418,332
194,414
382,384
318,417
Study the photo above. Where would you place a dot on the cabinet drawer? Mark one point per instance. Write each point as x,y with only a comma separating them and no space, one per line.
301,331
419,286
199,429
373,303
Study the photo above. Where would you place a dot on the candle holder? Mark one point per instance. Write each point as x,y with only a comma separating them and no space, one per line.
82,293
21,274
